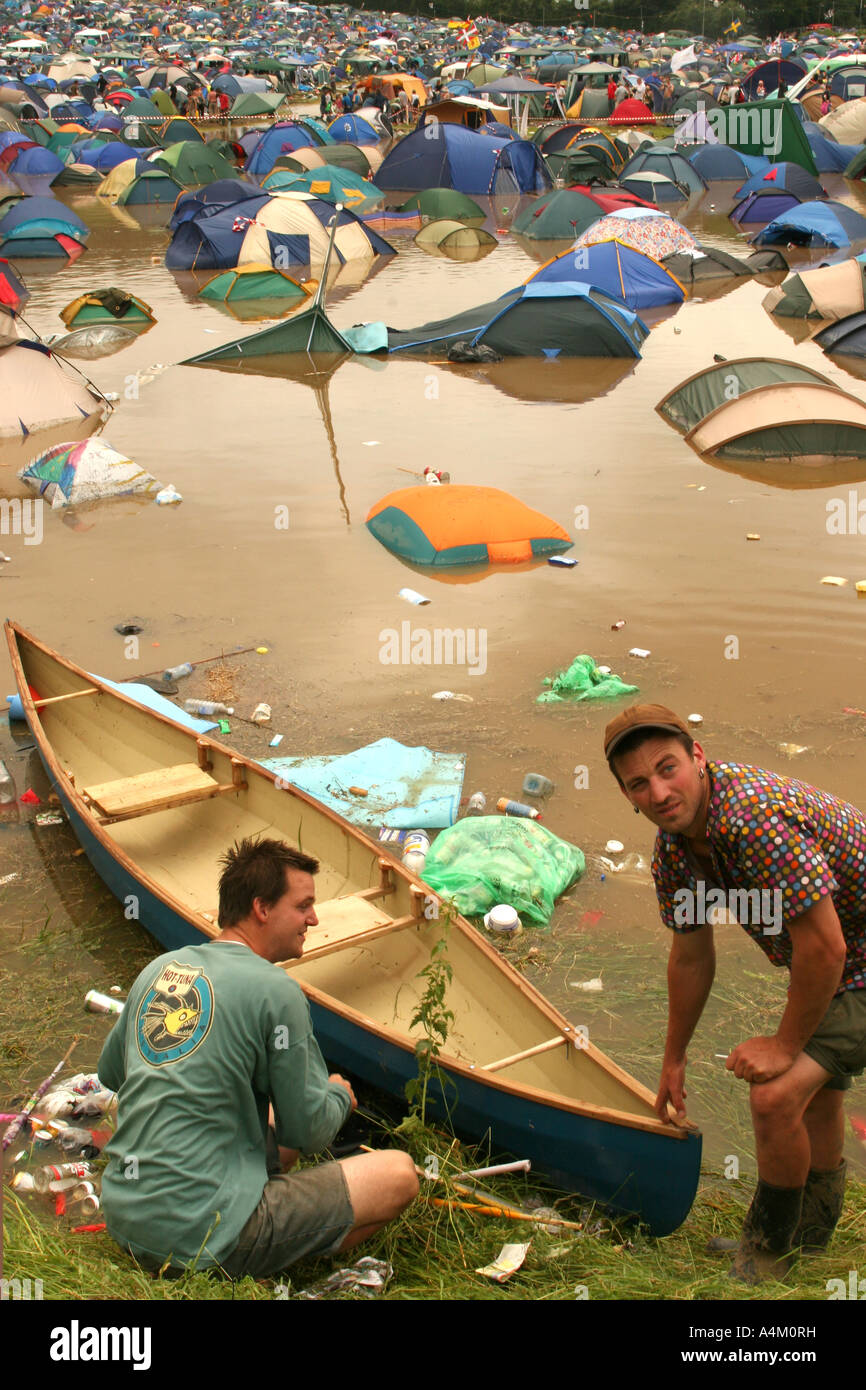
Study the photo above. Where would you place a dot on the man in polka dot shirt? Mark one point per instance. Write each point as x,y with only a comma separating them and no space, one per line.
787,862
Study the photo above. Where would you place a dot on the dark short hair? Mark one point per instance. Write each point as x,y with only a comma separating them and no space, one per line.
256,868
642,736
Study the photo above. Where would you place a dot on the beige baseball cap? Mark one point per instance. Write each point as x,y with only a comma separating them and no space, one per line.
642,717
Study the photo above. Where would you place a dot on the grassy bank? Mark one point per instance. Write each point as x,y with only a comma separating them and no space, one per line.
436,1250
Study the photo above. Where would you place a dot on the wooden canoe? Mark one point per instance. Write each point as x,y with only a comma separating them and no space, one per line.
154,805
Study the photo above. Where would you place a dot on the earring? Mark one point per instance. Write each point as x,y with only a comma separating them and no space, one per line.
637,810
701,773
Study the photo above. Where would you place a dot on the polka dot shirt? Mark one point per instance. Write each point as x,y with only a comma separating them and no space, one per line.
788,845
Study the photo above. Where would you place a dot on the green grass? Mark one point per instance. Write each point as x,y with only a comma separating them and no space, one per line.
435,1252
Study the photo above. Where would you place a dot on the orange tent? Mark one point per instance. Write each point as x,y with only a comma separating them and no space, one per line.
463,525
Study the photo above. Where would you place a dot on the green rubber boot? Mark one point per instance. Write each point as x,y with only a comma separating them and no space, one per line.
764,1250
823,1198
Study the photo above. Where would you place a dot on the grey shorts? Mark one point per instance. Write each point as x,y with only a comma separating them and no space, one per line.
839,1042
299,1214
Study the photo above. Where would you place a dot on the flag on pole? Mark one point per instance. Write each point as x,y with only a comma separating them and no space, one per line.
683,58
469,35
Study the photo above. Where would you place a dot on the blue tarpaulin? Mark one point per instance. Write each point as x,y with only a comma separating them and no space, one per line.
407,788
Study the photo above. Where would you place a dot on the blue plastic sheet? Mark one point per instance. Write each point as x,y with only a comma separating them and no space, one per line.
144,695
407,788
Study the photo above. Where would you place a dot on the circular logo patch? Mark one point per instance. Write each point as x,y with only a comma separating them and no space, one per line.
175,1015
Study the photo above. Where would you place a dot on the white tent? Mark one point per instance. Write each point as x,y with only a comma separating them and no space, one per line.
38,390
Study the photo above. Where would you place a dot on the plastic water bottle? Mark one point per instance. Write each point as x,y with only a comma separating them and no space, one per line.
517,808
477,804
206,707
175,673
7,786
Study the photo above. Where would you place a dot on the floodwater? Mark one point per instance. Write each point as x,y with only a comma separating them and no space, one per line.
741,631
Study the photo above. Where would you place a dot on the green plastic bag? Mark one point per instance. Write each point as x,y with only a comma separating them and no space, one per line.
584,681
485,860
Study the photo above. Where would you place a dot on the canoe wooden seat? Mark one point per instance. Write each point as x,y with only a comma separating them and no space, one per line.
160,790
353,920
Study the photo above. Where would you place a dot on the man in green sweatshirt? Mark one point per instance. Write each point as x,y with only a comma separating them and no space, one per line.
213,1040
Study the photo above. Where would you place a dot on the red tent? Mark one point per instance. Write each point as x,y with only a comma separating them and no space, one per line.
13,291
632,112
613,200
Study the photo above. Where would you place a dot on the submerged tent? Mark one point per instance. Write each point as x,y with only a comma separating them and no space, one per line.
764,205
13,290
701,394
619,270
86,470
792,178
329,182
435,203
645,229
463,525
282,229
707,263
191,163
565,213
672,165
831,292
534,320
815,224
444,237
449,156
107,306
253,282
38,227
846,338
813,423
721,162
37,391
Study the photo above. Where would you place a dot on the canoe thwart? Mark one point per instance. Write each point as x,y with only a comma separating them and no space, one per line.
528,1052
72,695
159,790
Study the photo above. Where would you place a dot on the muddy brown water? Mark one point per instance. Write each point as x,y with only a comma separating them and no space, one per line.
662,545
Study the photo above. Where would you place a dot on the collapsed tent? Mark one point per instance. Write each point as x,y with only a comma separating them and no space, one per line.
831,292
463,525
707,263
619,270
701,394
534,320
309,333
87,470
36,391
449,156
813,423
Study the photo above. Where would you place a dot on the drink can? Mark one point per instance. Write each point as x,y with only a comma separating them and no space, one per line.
416,843
67,1174
96,1003
87,1194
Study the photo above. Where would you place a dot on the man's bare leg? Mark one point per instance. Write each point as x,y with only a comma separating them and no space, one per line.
381,1185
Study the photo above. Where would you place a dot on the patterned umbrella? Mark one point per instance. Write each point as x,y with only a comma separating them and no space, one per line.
653,233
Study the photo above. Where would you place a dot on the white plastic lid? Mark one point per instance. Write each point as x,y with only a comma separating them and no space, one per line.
503,917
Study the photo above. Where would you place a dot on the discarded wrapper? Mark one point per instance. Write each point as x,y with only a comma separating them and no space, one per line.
588,986
507,1262
450,695
639,651
835,580
412,596
367,1277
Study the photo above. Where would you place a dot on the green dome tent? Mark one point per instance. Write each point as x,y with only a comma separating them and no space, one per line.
435,203
192,164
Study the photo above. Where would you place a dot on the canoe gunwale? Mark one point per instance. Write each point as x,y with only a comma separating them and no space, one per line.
196,920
